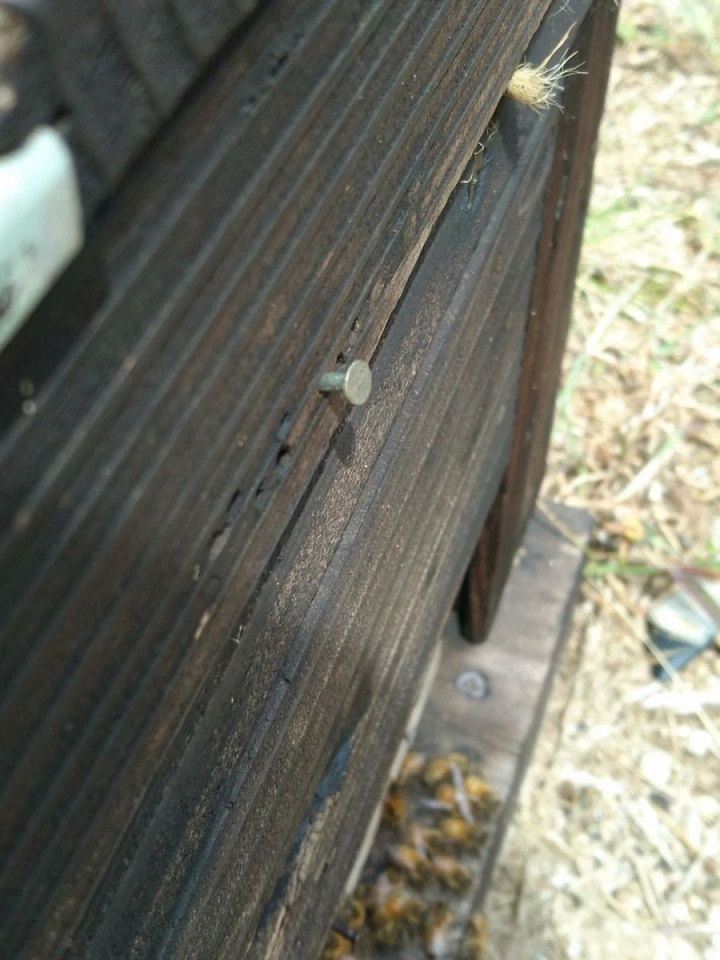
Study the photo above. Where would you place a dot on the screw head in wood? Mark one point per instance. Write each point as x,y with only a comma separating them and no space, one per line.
473,684
354,382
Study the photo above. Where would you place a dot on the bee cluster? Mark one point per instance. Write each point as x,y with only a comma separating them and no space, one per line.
436,817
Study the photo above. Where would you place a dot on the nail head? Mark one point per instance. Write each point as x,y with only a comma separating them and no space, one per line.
355,382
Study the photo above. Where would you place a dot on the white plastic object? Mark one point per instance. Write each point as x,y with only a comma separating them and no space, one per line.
681,616
41,224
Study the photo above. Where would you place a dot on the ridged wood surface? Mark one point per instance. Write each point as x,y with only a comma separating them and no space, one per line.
218,587
558,252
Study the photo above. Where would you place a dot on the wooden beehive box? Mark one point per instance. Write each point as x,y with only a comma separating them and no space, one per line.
219,586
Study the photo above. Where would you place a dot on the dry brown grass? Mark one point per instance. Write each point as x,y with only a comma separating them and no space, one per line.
615,848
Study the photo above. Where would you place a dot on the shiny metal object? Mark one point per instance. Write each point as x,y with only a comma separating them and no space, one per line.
354,382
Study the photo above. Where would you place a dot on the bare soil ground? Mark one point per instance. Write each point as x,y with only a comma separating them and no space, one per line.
614,851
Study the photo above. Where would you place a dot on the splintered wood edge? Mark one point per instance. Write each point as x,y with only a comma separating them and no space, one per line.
518,661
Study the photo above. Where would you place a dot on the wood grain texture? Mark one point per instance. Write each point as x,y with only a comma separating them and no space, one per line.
219,326
186,424
328,643
518,662
182,790
122,70
218,588
566,206
146,502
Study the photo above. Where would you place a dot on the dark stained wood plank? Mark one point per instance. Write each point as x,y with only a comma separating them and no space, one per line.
219,589
517,662
317,646
152,487
125,655
185,389
403,587
566,205
207,868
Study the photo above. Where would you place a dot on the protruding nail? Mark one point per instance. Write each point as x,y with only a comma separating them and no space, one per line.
354,382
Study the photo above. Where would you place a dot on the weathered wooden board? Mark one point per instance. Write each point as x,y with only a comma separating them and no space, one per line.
339,633
172,448
218,588
438,422
188,417
517,663
567,199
